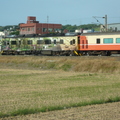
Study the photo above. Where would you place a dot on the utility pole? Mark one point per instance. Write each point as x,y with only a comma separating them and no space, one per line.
105,23
105,26
47,24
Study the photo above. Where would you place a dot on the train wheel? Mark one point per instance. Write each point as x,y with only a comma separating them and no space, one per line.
88,53
108,53
103,53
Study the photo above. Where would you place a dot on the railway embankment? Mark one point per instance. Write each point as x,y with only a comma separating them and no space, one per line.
77,64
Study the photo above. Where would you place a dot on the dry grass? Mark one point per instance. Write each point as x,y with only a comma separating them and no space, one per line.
28,86
77,64
109,111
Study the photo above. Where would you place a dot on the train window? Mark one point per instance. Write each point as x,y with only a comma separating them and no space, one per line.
61,41
83,44
4,43
47,41
54,41
40,41
29,42
13,42
108,40
98,41
19,43
73,41
117,40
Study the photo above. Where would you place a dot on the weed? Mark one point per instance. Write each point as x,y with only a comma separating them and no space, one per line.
66,67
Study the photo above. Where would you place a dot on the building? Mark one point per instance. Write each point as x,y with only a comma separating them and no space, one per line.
113,27
2,34
34,27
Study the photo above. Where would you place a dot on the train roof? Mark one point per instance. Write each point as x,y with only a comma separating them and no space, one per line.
45,35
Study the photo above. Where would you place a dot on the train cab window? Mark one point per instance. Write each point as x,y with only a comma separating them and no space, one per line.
98,41
47,41
29,42
13,42
61,41
108,40
117,40
78,40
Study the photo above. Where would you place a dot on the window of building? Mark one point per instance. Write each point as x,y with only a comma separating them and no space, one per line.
28,29
38,28
48,41
13,42
57,30
117,40
115,28
29,42
44,29
61,41
32,29
98,41
50,29
108,40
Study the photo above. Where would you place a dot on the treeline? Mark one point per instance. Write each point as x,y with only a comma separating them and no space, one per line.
9,28
70,28
85,27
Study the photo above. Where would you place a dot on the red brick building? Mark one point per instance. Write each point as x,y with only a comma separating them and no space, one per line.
34,27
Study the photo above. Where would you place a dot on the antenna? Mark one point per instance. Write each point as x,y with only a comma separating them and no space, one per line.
47,24
47,19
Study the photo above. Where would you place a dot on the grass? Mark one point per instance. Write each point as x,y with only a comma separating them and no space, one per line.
77,64
53,108
33,84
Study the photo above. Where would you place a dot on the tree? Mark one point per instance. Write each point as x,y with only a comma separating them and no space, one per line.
71,28
15,33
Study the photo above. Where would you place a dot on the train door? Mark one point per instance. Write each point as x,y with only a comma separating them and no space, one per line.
78,41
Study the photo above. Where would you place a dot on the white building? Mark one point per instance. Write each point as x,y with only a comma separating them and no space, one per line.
113,27
2,34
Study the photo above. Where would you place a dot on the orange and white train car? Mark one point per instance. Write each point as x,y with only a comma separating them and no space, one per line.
99,43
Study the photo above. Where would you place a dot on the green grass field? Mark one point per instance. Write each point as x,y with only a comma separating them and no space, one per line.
39,84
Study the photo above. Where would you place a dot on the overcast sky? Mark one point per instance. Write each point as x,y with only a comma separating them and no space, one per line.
74,12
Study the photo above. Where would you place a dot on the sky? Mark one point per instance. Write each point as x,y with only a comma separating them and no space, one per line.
74,12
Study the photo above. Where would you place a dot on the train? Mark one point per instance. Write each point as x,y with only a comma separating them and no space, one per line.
96,43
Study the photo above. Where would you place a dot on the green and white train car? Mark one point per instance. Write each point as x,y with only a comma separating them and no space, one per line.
56,45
